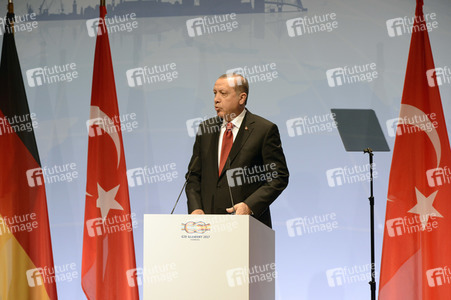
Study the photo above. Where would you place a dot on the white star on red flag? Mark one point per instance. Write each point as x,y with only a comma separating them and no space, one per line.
106,200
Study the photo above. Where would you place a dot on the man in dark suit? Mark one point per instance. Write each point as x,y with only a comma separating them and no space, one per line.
237,149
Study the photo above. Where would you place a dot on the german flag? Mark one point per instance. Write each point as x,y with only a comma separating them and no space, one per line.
26,259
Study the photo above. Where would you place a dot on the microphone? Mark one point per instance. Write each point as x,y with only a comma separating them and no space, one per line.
230,190
186,181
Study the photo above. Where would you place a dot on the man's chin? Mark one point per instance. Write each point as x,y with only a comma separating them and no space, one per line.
225,116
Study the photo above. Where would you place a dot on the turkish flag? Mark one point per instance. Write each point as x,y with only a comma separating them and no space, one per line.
108,266
416,254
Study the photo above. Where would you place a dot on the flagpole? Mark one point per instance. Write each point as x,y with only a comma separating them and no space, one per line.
10,7
372,283
10,21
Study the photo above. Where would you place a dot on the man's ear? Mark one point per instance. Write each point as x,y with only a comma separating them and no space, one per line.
243,97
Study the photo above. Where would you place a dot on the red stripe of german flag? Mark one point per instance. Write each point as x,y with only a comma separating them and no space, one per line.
26,258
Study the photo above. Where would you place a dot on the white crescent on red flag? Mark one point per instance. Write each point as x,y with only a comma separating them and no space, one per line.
416,249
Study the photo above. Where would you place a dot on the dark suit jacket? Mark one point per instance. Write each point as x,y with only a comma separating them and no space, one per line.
255,154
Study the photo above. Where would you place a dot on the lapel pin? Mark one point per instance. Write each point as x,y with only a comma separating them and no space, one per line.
245,128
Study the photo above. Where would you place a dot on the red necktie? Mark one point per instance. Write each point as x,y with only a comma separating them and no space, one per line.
227,142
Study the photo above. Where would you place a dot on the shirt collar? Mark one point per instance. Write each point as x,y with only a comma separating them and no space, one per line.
237,120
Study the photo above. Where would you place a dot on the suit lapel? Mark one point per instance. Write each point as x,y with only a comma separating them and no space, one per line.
214,146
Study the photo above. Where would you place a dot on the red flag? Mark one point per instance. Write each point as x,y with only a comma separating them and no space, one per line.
416,254
108,266
26,259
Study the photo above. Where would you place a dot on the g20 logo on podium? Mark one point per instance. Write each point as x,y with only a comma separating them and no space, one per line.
196,227
195,230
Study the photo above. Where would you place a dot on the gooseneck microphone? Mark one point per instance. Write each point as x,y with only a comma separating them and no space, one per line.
186,181
230,190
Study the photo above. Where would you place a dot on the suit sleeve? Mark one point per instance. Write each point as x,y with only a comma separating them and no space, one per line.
272,153
193,187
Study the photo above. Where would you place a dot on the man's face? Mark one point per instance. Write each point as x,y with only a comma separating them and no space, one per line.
228,104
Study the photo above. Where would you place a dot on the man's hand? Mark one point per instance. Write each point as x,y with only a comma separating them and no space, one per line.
198,212
240,209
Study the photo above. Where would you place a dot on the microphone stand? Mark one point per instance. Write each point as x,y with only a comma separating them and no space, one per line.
230,190
178,198
186,182
372,283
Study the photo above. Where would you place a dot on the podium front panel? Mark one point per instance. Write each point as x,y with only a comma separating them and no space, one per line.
201,257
